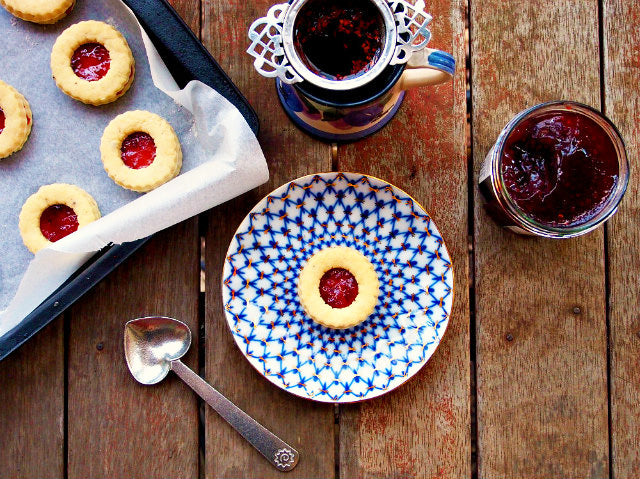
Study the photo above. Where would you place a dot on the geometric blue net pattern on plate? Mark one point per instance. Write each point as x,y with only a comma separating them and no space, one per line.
270,325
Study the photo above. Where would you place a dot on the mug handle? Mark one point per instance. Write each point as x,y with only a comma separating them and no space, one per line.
427,67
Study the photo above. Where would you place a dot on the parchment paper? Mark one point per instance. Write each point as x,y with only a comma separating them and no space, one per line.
221,156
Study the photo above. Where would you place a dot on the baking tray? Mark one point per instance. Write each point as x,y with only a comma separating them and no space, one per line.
187,59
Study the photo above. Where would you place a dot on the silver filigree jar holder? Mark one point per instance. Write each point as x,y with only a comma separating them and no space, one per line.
355,107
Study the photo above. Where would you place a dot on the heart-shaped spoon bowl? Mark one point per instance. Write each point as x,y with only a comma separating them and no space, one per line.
154,345
150,344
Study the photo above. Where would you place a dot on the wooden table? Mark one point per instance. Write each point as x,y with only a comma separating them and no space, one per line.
538,374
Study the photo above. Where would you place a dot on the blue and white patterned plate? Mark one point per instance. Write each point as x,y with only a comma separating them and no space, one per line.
260,292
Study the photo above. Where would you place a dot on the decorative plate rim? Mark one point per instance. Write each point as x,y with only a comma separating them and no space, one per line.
375,393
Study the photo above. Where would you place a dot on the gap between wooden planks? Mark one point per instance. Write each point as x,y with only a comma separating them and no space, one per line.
621,65
540,305
422,429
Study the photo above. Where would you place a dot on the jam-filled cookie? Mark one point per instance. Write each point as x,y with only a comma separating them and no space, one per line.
39,11
15,120
140,151
53,212
91,61
338,287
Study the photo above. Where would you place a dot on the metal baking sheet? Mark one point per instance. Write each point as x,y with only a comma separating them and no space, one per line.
187,59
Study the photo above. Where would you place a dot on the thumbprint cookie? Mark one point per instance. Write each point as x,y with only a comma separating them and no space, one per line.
15,120
338,287
91,61
140,151
53,212
39,11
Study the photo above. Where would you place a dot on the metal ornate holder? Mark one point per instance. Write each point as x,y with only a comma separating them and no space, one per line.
349,109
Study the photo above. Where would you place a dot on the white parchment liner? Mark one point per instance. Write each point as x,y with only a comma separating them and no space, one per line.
222,158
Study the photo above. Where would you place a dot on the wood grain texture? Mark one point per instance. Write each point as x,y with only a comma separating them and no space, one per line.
190,11
422,429
32,407
622,105
117,427
542,397
307,426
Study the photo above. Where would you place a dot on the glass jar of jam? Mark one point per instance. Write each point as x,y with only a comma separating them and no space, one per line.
557,170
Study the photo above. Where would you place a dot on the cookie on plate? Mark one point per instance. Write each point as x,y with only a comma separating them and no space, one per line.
338,287
15,120
91,61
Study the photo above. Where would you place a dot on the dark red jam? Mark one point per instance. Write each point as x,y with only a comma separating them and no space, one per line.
339,39
58,221
91,61
2,118
138,150
559,168
338,288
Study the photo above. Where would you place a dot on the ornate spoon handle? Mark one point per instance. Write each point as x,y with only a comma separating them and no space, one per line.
278,453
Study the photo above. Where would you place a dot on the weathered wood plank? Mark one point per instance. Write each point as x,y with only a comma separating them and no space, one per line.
622,105
541,367
111,416
423,428
117,427
32,406
307,426
191,13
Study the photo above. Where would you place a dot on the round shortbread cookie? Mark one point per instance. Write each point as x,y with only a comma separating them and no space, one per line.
17,120
81,202
309,287
39,11
121,69
168,154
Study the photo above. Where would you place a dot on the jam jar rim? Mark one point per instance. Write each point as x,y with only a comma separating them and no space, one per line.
525,221
388,49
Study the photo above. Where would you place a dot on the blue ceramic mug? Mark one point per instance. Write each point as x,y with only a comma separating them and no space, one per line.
355,107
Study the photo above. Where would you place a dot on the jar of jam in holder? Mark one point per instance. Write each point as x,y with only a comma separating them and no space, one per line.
342,66
557,170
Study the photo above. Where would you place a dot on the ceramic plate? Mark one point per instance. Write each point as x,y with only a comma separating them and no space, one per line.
260,293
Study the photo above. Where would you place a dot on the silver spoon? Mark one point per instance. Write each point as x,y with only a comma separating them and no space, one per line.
153,346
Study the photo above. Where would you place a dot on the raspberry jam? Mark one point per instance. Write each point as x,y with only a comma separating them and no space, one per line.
559,168
339,39
91,61
138,150
2,118
338,288
58,221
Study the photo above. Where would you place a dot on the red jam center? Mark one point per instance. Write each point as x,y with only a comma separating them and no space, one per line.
338,288
58,221
91,61
138,150
559,168
339,39
2,118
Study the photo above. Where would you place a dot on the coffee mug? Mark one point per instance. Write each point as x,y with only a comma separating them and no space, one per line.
384,40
